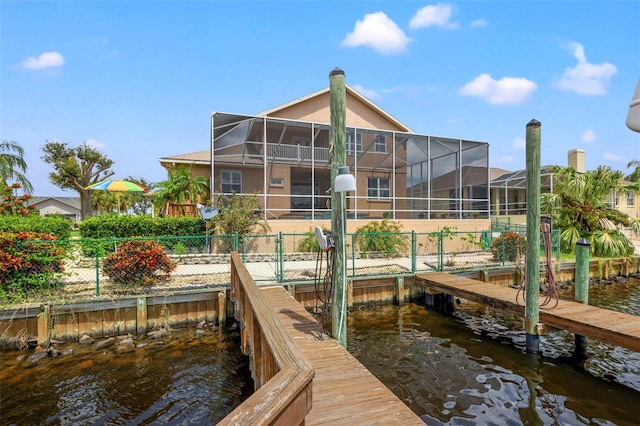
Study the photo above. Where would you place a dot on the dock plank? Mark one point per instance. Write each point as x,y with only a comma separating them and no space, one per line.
608,326
344,391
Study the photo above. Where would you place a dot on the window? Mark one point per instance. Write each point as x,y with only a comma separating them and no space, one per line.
354,142
377,188
630,198
279,182
380,142
231,181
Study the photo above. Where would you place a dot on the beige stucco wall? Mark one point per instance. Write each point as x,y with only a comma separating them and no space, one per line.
408,225
317,110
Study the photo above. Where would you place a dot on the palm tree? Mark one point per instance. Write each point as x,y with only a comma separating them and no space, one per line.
579,207
12,165
182,186
635,175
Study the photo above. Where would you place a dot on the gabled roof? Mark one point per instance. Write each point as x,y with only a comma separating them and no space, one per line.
70,201
198,157
350,90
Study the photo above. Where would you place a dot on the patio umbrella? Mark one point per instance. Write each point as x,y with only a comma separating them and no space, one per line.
117,185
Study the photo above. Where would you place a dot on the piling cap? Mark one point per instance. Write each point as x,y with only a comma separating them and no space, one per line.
336,71
583,242
534,123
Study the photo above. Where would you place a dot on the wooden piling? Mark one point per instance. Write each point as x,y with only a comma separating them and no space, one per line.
532,311
338,136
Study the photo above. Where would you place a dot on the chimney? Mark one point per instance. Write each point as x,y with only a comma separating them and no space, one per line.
575,159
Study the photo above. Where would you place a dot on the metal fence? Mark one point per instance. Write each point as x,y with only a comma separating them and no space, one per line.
88,265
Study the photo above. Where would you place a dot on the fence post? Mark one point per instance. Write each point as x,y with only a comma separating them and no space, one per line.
413,252
97,273
440,251
280,258
504,255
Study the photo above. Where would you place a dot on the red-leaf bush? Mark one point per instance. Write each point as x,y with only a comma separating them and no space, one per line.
15,204
515,245
29,260
138,263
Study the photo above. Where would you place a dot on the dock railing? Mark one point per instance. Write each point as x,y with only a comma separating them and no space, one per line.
282,376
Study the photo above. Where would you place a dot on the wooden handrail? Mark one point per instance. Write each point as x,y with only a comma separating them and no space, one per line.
282,376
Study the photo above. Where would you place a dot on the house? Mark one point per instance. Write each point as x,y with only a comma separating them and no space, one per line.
69,207
283,156
508,190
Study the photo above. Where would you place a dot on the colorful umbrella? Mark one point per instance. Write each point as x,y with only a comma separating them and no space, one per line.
117,185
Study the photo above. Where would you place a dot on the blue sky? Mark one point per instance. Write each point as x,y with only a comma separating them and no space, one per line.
139,80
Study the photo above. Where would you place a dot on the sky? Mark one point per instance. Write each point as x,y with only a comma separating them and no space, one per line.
138,80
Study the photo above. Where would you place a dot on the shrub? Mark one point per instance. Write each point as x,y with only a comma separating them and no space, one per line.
113,225
55,225
28,261
138,263
15,205
385,236
515,246
237,214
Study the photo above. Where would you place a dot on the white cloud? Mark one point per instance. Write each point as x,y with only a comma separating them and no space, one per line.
95,144
585,78
479,23
44,60
519,144
613,157
368,93
378,31
507,91
434,16
589,136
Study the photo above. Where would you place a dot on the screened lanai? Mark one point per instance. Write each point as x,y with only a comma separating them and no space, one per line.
510,189
286,163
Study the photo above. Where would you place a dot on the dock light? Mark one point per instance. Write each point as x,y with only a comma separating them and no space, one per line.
345,181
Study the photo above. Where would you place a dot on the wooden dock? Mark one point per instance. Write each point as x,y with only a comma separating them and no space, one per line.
344,391
605,325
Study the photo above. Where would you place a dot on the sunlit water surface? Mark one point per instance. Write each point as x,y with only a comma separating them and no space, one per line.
472,368
185,380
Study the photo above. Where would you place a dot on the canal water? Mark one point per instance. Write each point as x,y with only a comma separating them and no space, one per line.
466,369
471,368
179,380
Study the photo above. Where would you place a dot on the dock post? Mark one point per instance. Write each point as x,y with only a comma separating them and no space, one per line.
43,324
338,137
581,286
222,308
532,309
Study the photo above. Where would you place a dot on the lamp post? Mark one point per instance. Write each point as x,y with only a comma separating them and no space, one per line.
343,183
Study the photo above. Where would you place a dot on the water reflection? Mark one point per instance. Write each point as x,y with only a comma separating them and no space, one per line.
472,369
183,380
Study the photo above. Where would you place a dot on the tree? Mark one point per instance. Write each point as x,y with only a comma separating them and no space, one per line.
182,186
76,168
578,206
635,175
139,202
12,165
237,214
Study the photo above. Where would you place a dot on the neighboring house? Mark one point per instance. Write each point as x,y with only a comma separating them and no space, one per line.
627,202
283,156
69,207
508,190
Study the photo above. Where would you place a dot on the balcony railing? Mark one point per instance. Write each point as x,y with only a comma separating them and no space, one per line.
284,152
